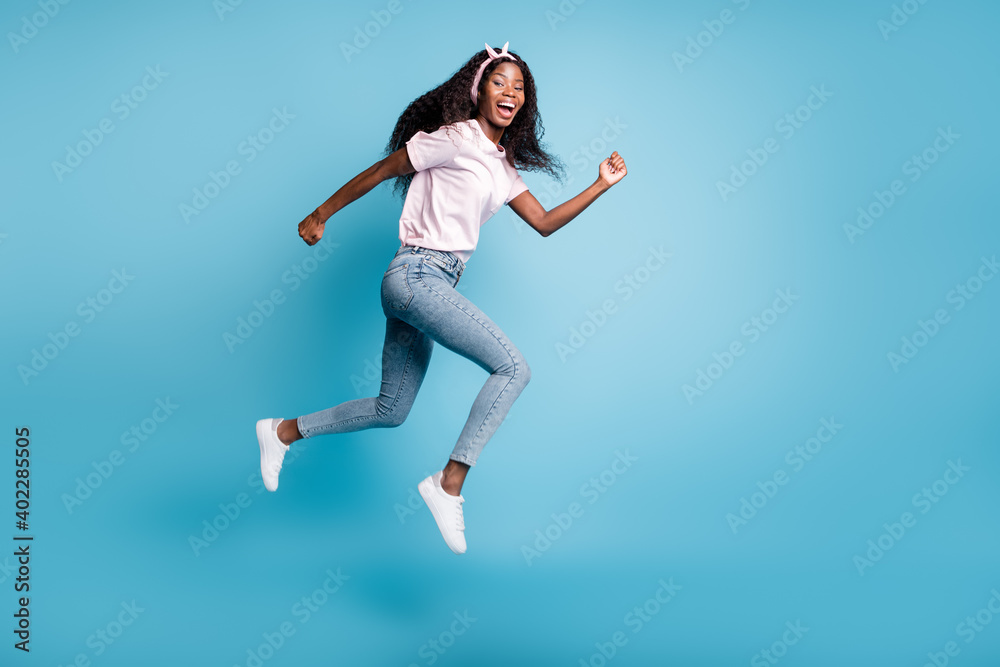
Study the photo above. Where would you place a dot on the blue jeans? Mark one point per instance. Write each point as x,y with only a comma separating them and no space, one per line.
421,306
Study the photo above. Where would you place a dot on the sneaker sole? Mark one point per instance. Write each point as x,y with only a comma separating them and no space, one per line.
263,430
426,489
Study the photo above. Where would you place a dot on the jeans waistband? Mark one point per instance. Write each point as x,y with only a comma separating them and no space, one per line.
452,260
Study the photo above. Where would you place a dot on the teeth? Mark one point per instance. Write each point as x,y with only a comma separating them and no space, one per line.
506,104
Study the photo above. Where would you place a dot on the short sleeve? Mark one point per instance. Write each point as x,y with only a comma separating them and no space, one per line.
434,149
517,188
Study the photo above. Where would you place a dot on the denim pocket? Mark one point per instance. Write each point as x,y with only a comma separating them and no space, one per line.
396,292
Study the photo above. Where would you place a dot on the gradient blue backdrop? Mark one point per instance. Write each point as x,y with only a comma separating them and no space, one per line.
604,71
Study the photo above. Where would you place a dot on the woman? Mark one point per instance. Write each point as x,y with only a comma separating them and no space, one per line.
457,163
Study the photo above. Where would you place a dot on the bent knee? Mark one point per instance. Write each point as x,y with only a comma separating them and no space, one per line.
516,368
393,418
521,369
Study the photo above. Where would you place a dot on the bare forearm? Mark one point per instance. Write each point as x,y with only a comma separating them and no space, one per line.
568,210
353,189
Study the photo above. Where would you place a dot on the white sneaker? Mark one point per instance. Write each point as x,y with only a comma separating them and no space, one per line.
447,511
272,452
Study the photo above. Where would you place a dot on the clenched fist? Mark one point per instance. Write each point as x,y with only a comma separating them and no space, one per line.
311,229
613,169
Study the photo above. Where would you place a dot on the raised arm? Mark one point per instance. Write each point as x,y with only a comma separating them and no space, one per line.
397,164
545,222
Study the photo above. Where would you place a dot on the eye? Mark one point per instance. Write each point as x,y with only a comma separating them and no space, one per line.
500,83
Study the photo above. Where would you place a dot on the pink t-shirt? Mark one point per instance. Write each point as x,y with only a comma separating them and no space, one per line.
461,181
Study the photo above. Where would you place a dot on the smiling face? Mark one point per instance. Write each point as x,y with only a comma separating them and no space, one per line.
502,94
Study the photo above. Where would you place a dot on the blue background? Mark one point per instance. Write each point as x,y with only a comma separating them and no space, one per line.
343,500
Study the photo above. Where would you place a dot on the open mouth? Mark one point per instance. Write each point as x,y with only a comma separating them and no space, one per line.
506,109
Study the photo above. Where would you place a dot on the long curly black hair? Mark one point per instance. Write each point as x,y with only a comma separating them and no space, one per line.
451,102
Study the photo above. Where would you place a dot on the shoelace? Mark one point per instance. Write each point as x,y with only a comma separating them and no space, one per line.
459,519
